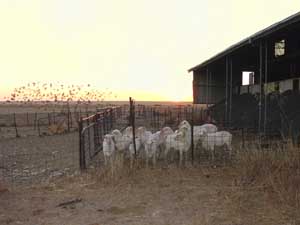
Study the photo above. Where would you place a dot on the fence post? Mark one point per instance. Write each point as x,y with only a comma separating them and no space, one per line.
88,131
71,119
54,121
49,119
27,118
158,116
96,133
38,125
68,117
15,125
132,120
192,134
81,146
111,118
35,120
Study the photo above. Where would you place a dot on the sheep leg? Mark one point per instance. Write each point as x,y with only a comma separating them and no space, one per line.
172,155
166,156
229,150
131,161
147,161
154,160
212,150
105,160
111,166
180,158
185,158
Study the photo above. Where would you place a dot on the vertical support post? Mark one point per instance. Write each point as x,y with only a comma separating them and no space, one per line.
226,93
68,117
111,118
27,118
38,125
192,134
96,133
266,81
207,93
54,121
210,87
49,119
89,133
71,119
15,125
230,92
35,120
260,87
132,119
81,145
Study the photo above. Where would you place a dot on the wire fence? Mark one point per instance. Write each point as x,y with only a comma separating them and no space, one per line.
93,128
201,145
33,159
37,158
153,119
39,124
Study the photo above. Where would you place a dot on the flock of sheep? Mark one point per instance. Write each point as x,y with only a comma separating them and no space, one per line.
164,141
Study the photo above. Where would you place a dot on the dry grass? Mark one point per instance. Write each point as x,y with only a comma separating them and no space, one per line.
275,171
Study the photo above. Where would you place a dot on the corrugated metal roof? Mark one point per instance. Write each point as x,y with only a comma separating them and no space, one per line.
265,32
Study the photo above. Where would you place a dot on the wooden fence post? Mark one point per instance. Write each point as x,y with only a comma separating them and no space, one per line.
15,125
132,120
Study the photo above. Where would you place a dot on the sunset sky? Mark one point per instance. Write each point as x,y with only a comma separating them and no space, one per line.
138,48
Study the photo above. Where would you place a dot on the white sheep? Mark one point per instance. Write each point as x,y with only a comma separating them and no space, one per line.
122,142
164,132
128,131
151,147
131,149
108,148
143,134
211,140
179,141
199,130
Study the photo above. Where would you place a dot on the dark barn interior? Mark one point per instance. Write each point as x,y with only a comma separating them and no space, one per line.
269,99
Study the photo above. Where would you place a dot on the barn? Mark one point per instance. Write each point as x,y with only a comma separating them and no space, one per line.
255,82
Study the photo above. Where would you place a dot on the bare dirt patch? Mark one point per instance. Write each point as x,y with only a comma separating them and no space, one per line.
194,195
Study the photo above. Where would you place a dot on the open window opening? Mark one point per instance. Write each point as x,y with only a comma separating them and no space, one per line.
247,78
279,48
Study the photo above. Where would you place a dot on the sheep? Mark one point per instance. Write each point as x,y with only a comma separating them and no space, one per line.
122,142
164,132
131,149
211,140
108,148
199,130
179,141
143,134
151,147
128,131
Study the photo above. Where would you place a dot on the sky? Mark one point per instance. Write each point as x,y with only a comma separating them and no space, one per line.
138,48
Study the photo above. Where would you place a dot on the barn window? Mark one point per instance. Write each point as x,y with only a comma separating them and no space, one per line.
279,48
247,78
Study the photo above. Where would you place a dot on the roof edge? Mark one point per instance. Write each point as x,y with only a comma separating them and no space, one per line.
260,34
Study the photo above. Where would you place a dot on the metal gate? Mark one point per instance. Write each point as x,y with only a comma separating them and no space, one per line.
92,130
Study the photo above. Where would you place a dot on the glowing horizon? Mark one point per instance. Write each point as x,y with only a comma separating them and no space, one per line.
132,48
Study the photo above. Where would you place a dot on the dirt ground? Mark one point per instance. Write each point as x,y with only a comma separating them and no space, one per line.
32,159
167,196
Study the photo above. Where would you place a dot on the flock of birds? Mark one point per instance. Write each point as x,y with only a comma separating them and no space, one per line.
56,91
164,141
